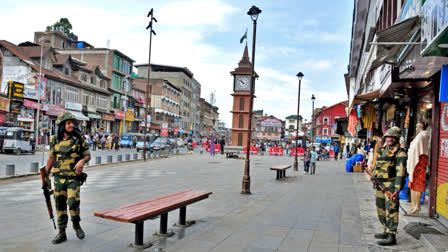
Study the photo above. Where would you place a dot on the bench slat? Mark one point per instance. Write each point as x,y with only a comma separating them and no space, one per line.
281,167
153,207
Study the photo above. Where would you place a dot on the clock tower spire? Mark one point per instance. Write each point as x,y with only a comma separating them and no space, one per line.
241,98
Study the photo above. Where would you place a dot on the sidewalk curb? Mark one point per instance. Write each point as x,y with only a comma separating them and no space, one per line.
30,174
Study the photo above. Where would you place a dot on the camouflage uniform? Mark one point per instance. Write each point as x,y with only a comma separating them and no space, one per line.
390,170
67,153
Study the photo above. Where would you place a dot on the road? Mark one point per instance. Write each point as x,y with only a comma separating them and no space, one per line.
22,162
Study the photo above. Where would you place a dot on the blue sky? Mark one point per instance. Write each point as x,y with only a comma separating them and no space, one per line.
292,35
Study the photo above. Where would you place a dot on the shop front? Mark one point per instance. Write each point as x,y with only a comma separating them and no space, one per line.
118,124
107,121
4,109
76,110
53,113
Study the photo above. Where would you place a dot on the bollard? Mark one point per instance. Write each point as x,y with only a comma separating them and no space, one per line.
201,152
10,169
34,167
262,153
135,157
109,159
119,158
98,160
177,151
128,157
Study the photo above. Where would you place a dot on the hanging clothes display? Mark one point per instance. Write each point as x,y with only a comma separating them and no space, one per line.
353,121
369,116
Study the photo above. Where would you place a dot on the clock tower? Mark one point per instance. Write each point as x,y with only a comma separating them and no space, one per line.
241,98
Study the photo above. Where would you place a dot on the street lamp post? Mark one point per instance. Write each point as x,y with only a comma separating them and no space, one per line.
42,40
126,87
148,86
313,99
296,164
253,13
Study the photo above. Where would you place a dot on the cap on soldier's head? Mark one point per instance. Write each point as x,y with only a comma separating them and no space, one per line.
64,117
393,132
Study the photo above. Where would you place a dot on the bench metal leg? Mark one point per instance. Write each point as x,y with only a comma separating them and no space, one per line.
284,173
278,174
164,226
183,215
139,237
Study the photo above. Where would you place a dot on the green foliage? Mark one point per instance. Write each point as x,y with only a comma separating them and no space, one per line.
63,22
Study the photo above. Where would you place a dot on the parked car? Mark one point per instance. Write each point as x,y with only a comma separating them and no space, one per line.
160,143
126,140
18,140
149,139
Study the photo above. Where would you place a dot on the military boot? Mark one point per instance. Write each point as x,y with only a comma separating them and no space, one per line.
79,232
389,240
381,236
60,237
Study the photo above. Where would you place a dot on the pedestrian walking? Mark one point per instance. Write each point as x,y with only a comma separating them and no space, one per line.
134,141
116,142
347,151
66,159
103,142
390,170
306,161
212,146
336,151
95,141
287,148
313,160
222,143
109,142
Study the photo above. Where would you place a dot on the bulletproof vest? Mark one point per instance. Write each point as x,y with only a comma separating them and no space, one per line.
66,154
385,167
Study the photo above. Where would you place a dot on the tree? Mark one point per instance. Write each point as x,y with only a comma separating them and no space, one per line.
64,23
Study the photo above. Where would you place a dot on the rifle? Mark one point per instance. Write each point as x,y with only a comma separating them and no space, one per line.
46,187
383,188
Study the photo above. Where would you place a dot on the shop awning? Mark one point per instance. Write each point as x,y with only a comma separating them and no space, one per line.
424,67
364,98
78,115
400,32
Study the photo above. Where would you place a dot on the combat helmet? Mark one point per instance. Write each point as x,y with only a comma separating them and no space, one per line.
393,132
64,117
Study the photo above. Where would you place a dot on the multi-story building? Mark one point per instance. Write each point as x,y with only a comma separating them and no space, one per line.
206,118
325,122
271,129
118,67
182,78
59,39
291,126
165,105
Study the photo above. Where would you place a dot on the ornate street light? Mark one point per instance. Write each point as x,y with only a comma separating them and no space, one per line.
296,164
313,99
253,13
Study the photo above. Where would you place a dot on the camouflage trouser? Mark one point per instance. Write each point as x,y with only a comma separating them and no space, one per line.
388,210
66,192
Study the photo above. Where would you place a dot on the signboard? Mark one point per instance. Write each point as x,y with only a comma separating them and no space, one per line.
130,114
44,122
33,105
27,113
108,117
15,90
30,93
41,87
15,107
54,110
164,132
434,27
119,114
73,106
271,123
4,104
176,130
94,115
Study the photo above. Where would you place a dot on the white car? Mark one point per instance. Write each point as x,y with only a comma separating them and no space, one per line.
180,142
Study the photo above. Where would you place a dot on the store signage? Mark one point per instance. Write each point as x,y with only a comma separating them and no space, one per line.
164,132
27,112
94,115
176,130
54,110
119,114
15,107
73,106
44,122
30,93
108,117
35,105
390,113
434,27
129,114
41,87
4,104
15,90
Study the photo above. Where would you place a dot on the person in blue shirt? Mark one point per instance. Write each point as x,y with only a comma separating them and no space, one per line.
336,151
313,160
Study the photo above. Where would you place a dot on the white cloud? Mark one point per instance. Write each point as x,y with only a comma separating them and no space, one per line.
314,65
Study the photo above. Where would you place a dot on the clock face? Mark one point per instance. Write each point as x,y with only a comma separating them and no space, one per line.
242,82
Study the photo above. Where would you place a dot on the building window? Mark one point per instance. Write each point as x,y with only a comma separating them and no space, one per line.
71,94
118,62
116,81
83,77
325,131
93,80
241,103
326,120
115,101
66,71
101,102
102,84
240,139
241,121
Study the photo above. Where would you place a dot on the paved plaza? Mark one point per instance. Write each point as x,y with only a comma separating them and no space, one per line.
330,211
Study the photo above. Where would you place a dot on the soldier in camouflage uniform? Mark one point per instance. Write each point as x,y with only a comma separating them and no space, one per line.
67,156
390,170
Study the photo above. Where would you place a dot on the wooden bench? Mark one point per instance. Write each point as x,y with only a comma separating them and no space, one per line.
231,154
281,170
150,209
